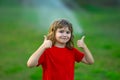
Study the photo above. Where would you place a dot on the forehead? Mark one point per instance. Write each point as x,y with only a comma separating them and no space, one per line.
64,28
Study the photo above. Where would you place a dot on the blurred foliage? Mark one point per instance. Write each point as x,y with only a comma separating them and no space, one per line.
95,3
70,3
99,2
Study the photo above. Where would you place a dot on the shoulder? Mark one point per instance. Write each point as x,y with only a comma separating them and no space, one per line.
75,50
48,50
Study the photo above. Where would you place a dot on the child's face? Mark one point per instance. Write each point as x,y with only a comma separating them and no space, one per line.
63,35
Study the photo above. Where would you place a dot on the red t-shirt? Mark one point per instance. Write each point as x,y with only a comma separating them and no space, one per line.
58,63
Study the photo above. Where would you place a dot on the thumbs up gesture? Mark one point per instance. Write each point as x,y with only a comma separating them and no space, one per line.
80,43
47,43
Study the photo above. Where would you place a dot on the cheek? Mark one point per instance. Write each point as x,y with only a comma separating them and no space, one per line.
57,36
69,35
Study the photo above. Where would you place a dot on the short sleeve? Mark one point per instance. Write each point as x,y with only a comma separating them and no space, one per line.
41,59
78,55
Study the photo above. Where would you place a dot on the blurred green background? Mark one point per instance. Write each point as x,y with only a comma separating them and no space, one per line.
24,22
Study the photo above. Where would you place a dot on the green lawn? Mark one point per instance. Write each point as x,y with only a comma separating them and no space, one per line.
19,38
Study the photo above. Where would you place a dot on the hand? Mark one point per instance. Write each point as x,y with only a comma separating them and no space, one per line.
80,43
47,43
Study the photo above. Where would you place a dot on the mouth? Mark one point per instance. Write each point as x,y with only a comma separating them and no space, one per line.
64,38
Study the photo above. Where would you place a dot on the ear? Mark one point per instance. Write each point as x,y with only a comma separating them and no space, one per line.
52,29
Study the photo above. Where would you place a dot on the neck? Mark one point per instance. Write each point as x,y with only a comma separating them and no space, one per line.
60,45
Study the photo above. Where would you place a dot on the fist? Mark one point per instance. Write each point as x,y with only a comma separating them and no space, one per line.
47,43
80,43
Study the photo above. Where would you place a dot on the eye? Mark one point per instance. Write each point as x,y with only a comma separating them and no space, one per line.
61,31
68,32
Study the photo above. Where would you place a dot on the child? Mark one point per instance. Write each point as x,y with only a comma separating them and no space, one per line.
57,54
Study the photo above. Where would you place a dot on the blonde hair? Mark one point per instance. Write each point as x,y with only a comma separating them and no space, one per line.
60,24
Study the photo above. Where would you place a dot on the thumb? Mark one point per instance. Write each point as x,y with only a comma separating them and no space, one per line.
45,37
82,37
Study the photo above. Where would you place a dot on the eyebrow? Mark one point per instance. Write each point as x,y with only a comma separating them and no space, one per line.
63,29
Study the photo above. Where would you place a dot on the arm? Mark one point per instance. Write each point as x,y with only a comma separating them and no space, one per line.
33,60
88,58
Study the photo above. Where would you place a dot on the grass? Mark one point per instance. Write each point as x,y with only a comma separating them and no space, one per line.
20,38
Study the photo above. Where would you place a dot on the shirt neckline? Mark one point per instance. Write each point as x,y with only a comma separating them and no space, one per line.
59,47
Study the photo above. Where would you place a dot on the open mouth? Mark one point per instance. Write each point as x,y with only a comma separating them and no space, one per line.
64,39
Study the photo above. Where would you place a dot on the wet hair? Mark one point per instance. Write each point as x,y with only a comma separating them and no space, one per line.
61,23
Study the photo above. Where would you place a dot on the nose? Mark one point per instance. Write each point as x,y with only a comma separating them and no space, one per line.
64,34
